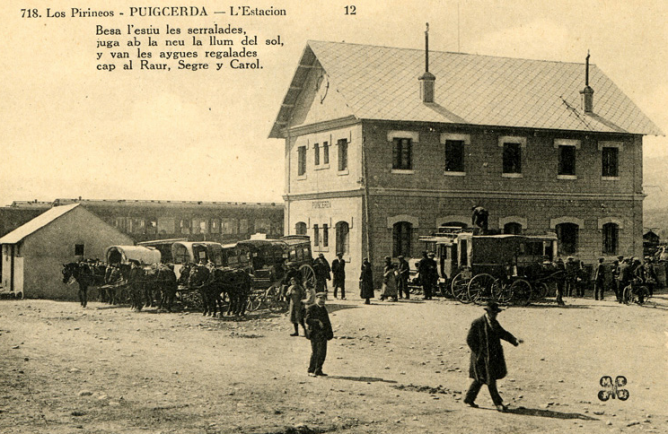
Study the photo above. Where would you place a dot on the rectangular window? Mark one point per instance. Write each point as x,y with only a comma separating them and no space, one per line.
316,235
215,226
301,167
228,226
343,154
512,158
325,153
166,225
78,250
243,226
454,156
316,154
325,236
610,162
567,160
402,154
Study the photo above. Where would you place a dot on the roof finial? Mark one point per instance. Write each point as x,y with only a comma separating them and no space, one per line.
587,72
426,49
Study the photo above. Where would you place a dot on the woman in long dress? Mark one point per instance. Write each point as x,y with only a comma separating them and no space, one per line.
389,290
296,294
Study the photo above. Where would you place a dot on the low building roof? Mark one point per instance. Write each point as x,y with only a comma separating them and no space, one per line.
34,225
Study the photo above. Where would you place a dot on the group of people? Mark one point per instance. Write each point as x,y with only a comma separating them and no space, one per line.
395,278
627,271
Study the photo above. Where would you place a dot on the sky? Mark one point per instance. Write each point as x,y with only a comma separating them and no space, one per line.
70,130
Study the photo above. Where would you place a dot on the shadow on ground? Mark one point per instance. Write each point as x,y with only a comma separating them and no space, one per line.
363,379
548,413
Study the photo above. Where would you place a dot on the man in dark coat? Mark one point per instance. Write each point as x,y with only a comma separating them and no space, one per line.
366,282
403,271
487,361
322,272
339,275
319,331
599,279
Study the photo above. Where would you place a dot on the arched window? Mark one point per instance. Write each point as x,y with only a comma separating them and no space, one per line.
610,238
342,238
568,235
401,239
300,228
512,228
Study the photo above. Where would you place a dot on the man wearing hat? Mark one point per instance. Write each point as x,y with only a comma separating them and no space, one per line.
403,270
318,331
339,275
487,361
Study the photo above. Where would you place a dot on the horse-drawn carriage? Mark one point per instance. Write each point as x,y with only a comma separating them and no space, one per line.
502,267
272,263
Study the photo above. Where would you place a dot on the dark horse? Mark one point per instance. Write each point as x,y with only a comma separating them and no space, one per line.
216,283
161,280
81,272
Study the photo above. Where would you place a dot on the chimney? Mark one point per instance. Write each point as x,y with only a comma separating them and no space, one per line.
587,93
427,79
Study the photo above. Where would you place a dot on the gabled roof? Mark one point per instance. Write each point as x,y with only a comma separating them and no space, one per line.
380,83
36,224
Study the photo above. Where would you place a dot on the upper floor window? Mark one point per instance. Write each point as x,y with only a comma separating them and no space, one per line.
454,156
610,162
512,158
343,154
567,152
402,154
325,153
301,160
316,154
566,160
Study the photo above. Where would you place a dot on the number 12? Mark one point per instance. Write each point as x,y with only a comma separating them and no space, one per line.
351,10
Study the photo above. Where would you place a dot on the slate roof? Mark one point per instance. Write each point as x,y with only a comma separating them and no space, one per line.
380,83
36,224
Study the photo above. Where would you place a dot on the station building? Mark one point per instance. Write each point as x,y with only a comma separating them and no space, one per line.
383,145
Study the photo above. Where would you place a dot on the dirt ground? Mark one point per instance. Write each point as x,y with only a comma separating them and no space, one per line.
394,367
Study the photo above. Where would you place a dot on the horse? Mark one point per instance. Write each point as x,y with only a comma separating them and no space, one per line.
79,271
234,283
160,280
115,276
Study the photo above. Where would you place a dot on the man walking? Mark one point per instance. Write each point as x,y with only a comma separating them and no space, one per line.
319,331
339,275
487,361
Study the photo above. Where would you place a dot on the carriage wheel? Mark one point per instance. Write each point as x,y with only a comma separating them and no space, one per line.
541,291
275,299
308,276
640,293
521,292
254,301
459,288
501,292
627,295
480,288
